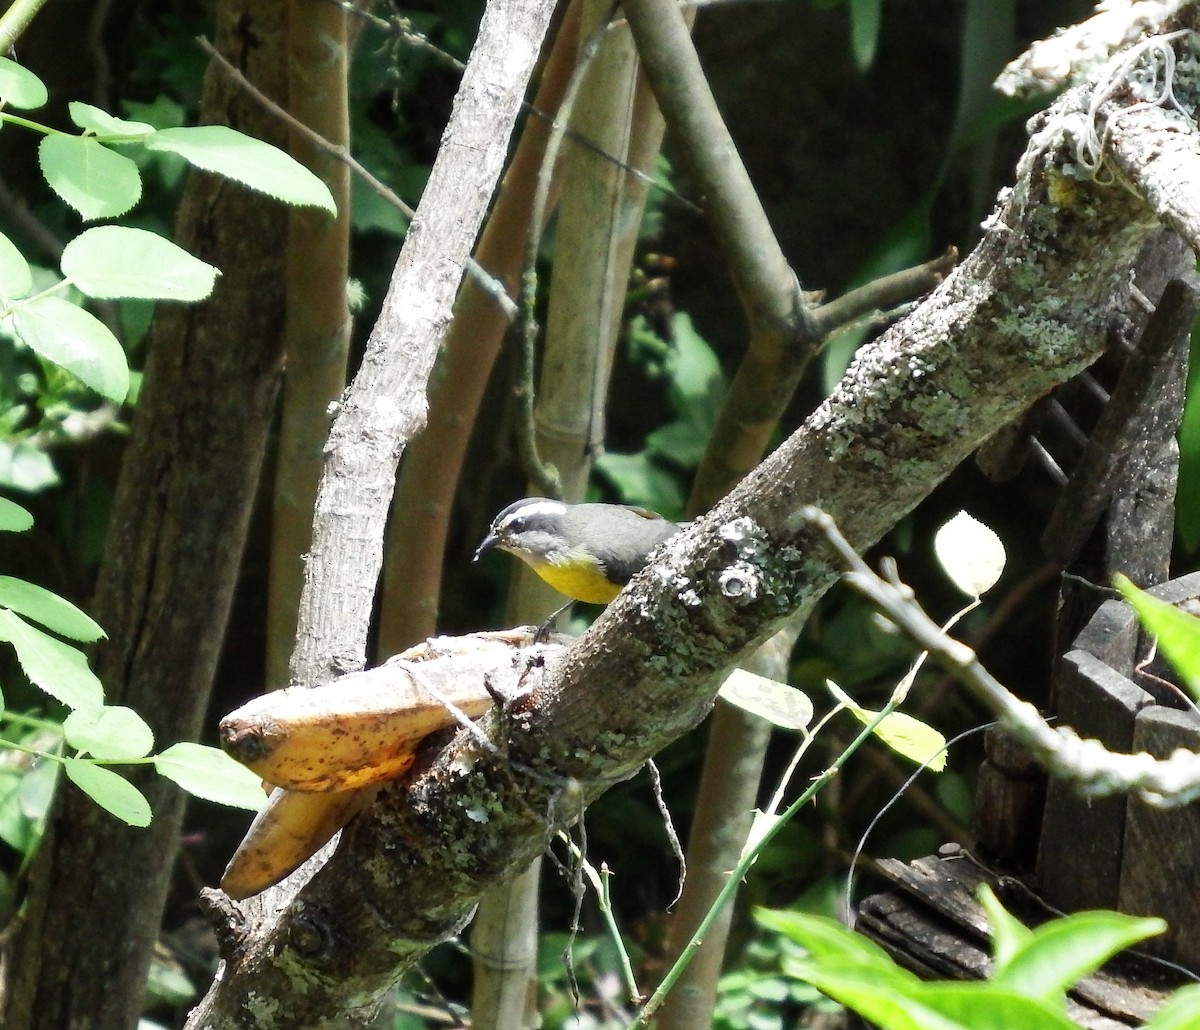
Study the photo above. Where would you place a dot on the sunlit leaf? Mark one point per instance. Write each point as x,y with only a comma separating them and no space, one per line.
970,553
1009,934
19,87
78,341
209,773
93,119
14,518
253,163
94,180
778,703
1178,633
115,261
1061,952
907,736
16,279
47,608
110,791
56,667
827,940
1181,1012
115,733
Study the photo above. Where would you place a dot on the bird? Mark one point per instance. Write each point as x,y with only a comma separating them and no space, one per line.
587,552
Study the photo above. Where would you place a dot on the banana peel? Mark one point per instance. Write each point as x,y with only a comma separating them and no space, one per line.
286,832
326,749
360,730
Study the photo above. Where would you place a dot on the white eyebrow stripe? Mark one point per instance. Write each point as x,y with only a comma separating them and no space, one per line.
535,508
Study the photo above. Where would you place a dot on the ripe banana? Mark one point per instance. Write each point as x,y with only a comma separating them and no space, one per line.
287,831
359,730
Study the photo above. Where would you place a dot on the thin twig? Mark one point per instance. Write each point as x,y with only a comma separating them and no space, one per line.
1094,769
885,292
402,27
486,282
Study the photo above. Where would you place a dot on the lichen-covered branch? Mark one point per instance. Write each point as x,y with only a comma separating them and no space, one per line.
1071,55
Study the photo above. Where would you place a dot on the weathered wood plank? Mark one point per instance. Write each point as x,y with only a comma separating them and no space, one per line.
932,923
1079,857
1160,873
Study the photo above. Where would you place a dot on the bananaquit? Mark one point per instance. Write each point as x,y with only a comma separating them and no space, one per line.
586,551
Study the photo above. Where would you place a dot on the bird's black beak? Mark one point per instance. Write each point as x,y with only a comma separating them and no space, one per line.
489,541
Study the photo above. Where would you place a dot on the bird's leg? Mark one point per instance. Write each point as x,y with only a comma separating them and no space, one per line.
542,635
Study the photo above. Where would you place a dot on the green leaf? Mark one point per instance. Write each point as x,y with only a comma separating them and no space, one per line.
19,87
1178,632
113,261
883,1003
67,335
15,829
14,518
110,791
25,798
95,181
907,736
641,480
57,668
38,787
829,941
115,733
1009,934
209,773
93,119
778,703
1063,951
1181,1012
1187,494
253,163
865,18
162,112
16,278
26,467
48,608
976,1006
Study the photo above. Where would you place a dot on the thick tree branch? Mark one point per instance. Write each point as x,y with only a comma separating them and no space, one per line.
769,291
385,405
1028,309
1072,54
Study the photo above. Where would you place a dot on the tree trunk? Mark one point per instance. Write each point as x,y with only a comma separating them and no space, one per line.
82,949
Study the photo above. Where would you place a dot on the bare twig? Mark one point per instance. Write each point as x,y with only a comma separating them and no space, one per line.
1092,767
486,282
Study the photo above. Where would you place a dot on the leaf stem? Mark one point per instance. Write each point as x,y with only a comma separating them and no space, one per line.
29,123
747,860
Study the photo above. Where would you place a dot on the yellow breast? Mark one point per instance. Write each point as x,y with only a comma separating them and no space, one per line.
579,580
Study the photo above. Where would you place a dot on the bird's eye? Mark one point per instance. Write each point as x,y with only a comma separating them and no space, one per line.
517,525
